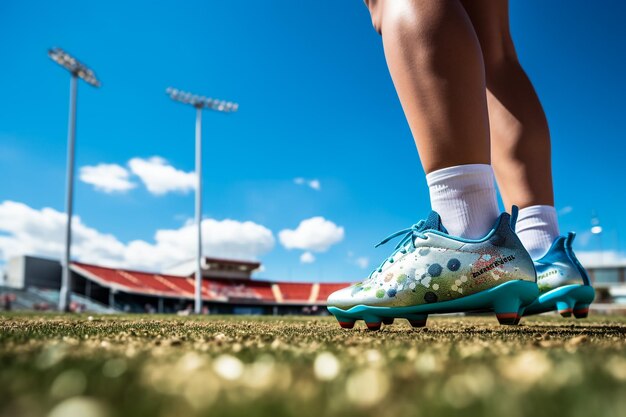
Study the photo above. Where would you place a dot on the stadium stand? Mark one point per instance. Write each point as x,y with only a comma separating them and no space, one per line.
296,292
327,289
43,299
227,287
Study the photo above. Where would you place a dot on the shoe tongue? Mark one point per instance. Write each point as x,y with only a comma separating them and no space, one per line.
433,222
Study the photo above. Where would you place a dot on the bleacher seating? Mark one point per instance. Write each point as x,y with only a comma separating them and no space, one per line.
295,292
328,289
213,289
47,299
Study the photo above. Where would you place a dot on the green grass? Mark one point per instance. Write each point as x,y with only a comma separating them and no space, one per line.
309,367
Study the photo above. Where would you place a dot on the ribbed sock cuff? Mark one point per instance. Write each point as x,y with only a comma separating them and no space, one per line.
537,228
465,198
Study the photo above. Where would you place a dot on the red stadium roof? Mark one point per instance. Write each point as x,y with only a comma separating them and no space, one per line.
213,289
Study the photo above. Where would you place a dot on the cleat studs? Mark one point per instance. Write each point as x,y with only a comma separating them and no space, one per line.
509,319
520,314
564,308
345,322
373,322
417,321
581,311
566,313
581,314
373,325
507,310
388,321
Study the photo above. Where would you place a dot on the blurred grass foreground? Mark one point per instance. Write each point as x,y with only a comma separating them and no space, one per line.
106,366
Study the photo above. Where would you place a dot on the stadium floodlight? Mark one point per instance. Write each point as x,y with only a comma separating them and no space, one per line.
75,67
200,103
77,70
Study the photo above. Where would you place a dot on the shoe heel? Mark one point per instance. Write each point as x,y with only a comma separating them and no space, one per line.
581,311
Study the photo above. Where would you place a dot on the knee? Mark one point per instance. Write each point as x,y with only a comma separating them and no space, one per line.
416,19
387,12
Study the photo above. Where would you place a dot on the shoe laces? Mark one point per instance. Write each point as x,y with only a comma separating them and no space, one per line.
406,243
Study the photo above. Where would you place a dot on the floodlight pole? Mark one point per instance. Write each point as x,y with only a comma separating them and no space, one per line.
200,103
77,70
198,283
65,293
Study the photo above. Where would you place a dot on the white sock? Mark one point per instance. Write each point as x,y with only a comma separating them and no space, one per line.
465,198
537,227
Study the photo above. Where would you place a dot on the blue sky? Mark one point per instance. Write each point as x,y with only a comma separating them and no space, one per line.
316,102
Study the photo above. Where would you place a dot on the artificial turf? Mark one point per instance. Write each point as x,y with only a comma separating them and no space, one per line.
64,366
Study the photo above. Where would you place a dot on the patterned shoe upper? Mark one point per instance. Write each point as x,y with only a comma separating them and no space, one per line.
428,265
559,266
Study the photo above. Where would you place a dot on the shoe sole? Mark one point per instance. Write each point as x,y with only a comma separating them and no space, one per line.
506,300
568,300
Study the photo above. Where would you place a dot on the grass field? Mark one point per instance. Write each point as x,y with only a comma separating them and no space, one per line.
66,366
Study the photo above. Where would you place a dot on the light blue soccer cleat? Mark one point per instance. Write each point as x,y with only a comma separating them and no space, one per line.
431,272
563,282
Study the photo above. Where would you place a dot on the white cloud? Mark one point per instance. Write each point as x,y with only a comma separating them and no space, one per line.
29,231
160,177
313,183
307,258
24,230
223,238
108,178
315,234
362,262
565,210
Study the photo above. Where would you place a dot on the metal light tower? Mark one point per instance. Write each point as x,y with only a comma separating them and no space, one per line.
200,103
77,70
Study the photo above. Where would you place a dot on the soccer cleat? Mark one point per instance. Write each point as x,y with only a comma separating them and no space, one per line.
431,272
563,282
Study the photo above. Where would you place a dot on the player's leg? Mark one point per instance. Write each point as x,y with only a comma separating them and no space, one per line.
436,64
520,139
520,151
435,61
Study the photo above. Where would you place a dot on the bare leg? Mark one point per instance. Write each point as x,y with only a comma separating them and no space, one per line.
435,61
520,139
